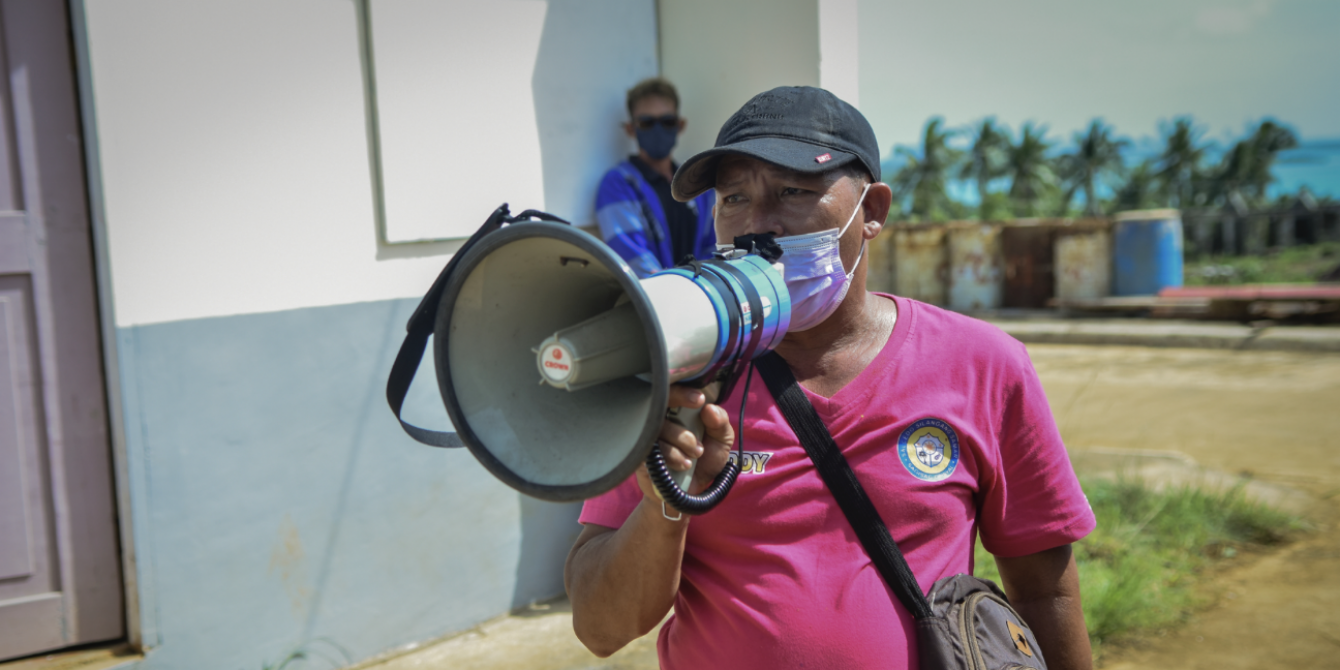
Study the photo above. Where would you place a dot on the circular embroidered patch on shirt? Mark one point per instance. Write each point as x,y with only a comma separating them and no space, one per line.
929,449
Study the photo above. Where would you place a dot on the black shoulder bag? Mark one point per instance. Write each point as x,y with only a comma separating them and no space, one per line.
967,623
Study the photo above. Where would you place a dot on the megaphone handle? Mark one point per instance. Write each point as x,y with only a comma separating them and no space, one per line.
672,487
690,419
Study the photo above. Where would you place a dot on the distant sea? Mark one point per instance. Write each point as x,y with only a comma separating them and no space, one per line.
1315,164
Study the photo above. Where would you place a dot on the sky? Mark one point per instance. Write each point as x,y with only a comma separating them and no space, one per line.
1133,63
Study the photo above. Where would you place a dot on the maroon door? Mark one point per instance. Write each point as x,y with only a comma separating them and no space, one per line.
60,578
1029,277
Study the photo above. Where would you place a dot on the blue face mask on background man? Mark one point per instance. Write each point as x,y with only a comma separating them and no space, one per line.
656,136
814,274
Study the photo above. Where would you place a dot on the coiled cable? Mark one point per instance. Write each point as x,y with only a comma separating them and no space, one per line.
721,485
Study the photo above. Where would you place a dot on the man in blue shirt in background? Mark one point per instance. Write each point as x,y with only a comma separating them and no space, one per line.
638,217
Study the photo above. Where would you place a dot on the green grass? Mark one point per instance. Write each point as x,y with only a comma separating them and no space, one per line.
1303,264
1140,568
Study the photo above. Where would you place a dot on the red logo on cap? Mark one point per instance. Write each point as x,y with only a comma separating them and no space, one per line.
558,353
824,158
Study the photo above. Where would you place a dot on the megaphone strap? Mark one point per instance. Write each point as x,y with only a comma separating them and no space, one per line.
397,387
420,327
426,313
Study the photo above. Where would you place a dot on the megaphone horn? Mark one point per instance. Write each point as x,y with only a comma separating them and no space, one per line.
554,361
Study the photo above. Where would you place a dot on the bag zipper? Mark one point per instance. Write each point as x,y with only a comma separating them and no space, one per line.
968,633
968,614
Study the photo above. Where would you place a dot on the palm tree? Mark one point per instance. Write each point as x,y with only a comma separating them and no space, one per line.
986,160
1140,191
924,178
1097,156
1179,165
1245,171
1230,178
1029,170
1269,139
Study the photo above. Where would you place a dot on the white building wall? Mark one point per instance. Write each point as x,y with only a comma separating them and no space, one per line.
455,111
839,49
235,157
274,502
720,53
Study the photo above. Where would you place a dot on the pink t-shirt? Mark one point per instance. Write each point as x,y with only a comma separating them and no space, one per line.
950,434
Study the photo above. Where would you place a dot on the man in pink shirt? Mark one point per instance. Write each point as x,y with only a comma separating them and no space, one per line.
941,416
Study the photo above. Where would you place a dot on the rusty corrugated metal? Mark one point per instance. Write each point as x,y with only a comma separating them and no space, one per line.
975,272
1083,260
1027,249
921,263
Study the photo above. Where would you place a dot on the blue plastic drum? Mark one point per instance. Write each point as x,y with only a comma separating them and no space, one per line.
1147,251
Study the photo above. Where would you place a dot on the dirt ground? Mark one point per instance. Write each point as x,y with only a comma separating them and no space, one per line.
1274,417
1219,415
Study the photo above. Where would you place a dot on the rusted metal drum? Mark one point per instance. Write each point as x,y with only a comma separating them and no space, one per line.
1027,249
1083,261
921,263
1147,251
975,266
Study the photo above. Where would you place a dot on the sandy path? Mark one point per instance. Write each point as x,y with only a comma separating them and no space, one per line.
1274,415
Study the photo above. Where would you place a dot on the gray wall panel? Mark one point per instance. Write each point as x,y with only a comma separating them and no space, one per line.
285,505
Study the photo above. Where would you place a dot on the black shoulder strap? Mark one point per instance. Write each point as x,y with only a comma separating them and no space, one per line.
841,481
421,324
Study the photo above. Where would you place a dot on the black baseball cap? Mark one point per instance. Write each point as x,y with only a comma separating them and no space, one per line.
800,128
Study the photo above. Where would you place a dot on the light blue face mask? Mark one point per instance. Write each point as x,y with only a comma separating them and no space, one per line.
814,274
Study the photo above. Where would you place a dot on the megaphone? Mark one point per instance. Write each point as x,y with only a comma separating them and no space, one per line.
554,361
